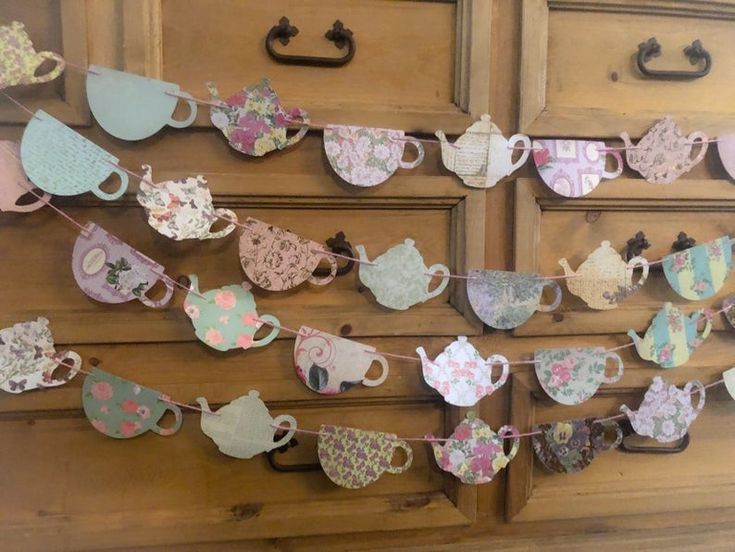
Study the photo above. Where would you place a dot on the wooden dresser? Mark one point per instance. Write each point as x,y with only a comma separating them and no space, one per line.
546,68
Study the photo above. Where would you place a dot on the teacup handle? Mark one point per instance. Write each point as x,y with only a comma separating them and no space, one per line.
117,193
279,421
618,169
384,374
526,141
304,116
701,137
227,230
40,202
634,263
419,155
600,443
444,271
166,431
409,457
314,279
700,391
163,301
510,430
557,298
617,375
76,360
492,361
274,331
192,112
55,72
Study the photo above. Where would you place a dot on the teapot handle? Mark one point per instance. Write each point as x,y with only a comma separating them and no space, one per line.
618,170
526,141
279,421
227,230
698,137
700,390
55,72
304,116
557,298
444,271
510,430
192,112
274,331
74,370
634,263
505,365
316,280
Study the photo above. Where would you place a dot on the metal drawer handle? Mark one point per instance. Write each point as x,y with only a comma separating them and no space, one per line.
284,32
695,52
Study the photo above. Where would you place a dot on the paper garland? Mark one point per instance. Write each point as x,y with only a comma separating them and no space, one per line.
14,183
19,60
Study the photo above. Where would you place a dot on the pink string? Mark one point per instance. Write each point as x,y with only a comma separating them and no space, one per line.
20,105
197,100
183,287
167,399
284,328
131,173
393,355
80,68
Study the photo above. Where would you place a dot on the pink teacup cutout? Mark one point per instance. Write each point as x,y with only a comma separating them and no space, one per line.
14,183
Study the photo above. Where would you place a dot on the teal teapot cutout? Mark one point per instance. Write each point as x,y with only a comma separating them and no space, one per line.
672,337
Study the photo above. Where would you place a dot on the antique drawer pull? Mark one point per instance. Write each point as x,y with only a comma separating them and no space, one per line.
276,465
338,34
339,244
695,52
629,435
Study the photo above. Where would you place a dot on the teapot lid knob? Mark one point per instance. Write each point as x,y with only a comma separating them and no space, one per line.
253,394
409,241
605,243
462,338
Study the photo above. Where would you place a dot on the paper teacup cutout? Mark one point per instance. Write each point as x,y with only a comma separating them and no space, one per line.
132,107
14,183
672,336
123,409
244,427
666,411
62,162
571,445
474,453
461,375
110,271
225,318
700,271
364,156
355,458
182,209
664,153
505,300
726,149
482,156
729,304
254,122
329,364
28,358
573,168
19,60
399,278
572,375
276,259
729,377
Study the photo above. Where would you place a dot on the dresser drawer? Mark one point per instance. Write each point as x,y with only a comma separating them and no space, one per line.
580,77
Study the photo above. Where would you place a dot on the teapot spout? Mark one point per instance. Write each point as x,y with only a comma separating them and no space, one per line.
565,266
147,175
625,137
447,149
631,414
639,343
203,404
361,253
422,355
438,450
213,92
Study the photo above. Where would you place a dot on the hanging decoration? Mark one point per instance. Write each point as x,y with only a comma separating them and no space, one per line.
666,411
399,278
672,336
505,300
482,156
366,157
277,260
571,445
329,364
726,150
62,162
244,427
110,271
604,279
474,453
728,377
700,271
253,120
14,183
461,375
19,61
27,358
123,409
225,318
573,168
131,107
182,209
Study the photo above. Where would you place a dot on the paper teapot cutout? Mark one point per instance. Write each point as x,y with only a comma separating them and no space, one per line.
461,375
482,155
664,153
399,278
666,411
244,427
604,279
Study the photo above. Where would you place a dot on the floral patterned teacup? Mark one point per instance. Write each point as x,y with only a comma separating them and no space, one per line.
354,458
109,270
277,260
19,61
182,209
571,376
123,409
571,445
700,271
254,122
28,358
366,156
505,300
14,183
726,149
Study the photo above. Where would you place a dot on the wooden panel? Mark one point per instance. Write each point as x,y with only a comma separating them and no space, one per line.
579,75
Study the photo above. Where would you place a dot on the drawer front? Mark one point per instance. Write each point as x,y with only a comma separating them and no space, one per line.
580,76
